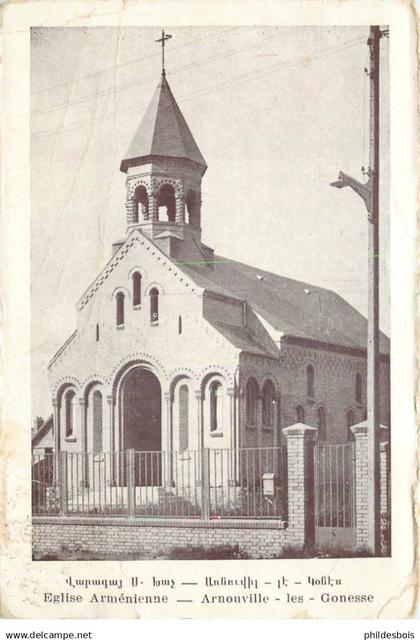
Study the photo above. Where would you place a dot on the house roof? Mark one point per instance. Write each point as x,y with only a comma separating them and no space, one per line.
292,307
39,435
163,132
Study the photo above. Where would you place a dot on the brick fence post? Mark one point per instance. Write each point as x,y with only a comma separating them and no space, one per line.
300,483
385,499
384,465
361,483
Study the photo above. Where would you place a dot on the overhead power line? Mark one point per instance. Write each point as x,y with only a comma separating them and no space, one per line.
145,80
236,81
126,64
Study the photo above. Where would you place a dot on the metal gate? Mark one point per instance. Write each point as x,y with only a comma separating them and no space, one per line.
335,509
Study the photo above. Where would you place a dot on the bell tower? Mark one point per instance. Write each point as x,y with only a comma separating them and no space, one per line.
164,169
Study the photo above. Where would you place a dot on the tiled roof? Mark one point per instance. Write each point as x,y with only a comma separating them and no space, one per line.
294,308
163,132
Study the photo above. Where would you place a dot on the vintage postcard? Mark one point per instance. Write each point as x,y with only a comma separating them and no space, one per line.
208,265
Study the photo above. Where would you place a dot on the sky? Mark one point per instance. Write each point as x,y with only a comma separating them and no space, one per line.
277,112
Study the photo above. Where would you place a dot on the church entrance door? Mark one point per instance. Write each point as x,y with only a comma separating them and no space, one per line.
141,402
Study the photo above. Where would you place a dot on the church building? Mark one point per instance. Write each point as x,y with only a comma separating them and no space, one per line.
177,348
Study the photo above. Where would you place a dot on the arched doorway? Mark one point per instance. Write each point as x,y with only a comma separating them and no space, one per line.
141,418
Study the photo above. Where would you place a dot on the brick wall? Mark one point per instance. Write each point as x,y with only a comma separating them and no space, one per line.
53,535
334,387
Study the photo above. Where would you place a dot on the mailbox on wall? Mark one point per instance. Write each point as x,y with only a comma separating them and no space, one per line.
268,483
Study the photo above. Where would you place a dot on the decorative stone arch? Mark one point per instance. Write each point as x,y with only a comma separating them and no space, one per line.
63,387
142,359
133,185
135,182
119,296
140,204
246,374
166,197
153,295
215,370
93,381
136,278
154,285
95,416
140,269
180,374
181,401
120,289
62,384
213,395
138,421
269,376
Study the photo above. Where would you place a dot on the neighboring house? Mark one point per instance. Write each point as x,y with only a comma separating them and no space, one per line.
178,348
43,436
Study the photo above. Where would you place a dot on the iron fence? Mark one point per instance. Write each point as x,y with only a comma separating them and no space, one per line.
204,483
334,485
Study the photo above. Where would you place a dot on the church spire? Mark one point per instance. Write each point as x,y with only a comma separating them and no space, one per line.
164,168
163,132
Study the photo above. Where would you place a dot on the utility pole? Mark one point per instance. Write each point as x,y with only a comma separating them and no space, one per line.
369,192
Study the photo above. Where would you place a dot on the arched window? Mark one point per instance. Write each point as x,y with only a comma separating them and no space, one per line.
154,305
183,418
215,405
321,424
350,423
70,412
251,401
166,203
120,309
310,381
141,204
300,414
268,404
180,324
136,289
358,388
97,421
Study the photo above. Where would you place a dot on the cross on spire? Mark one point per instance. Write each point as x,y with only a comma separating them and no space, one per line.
165,36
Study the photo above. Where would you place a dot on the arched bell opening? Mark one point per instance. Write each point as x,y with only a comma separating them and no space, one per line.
141,204
166,203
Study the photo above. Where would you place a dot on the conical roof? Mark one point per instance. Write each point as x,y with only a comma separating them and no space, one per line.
163,132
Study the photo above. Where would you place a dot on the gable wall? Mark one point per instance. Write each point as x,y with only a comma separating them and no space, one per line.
85,356
196,354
